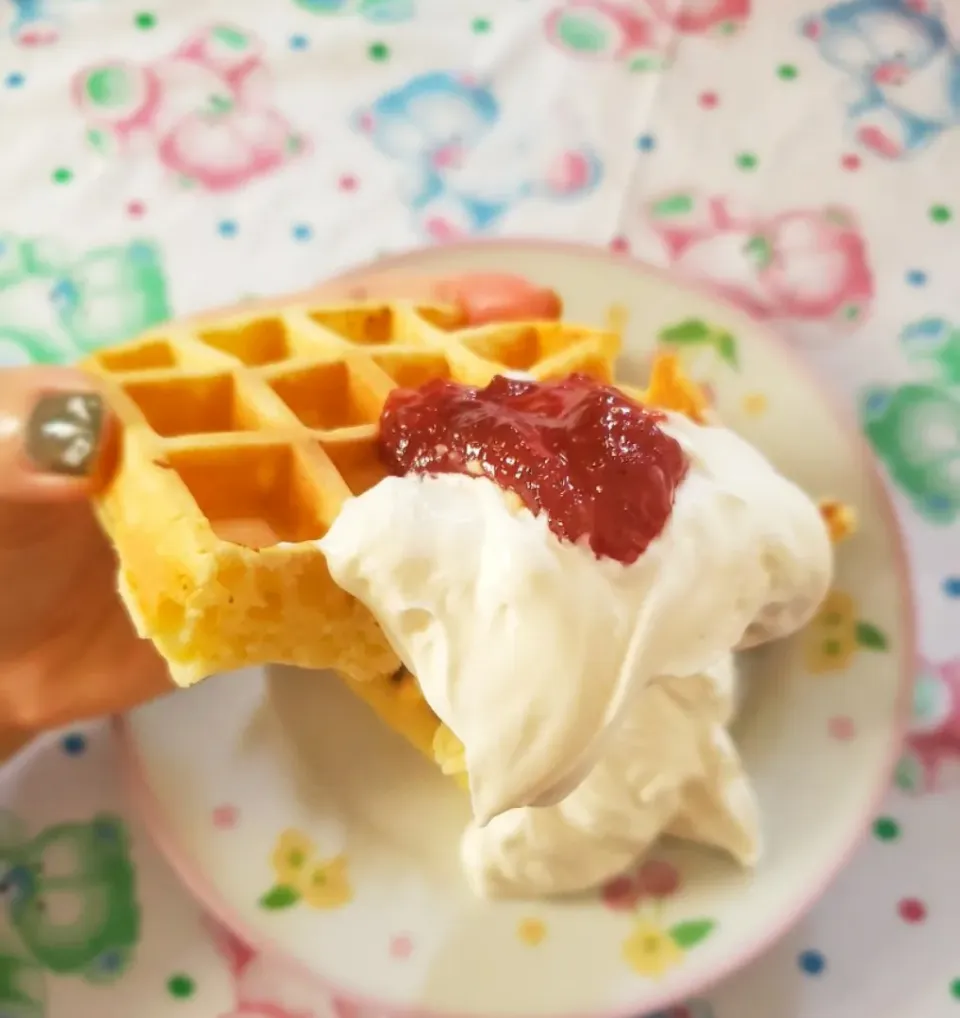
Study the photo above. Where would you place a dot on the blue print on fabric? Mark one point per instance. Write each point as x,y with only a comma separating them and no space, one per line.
904,70
461,169
33,23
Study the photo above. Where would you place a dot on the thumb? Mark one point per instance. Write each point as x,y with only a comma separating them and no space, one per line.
57,437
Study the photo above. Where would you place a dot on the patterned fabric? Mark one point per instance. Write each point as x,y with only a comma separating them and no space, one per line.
800,156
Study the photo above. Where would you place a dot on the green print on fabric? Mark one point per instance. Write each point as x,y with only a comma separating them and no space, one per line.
56,308
379,11
23,992
68,898
915,430
935,344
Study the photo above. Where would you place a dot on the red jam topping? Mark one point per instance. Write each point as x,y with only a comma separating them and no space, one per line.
596,463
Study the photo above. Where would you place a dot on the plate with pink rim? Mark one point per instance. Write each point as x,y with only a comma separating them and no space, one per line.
318,835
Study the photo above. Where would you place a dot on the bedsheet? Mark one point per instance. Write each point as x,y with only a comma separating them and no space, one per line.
158,158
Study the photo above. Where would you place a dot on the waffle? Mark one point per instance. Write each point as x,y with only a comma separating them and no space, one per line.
242,436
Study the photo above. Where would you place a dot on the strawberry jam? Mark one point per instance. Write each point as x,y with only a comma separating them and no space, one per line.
596,463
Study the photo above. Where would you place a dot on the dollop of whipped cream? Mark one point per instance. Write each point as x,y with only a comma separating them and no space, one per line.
570,680
669,768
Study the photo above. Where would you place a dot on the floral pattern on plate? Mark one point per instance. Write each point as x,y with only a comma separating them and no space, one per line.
302,876
653,946
836,634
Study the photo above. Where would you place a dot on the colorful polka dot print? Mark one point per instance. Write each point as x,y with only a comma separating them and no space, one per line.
886,829
181,987
74,744
812,962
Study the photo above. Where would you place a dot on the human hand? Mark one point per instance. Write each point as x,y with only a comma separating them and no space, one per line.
67,648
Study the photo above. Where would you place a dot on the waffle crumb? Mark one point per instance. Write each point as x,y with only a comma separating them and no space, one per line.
671,389
840,518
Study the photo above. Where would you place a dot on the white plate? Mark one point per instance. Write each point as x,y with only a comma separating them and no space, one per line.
244,762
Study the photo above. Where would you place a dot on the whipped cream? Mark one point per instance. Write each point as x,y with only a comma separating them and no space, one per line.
555,668
670,767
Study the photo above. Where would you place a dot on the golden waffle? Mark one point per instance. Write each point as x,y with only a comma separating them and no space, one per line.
242,437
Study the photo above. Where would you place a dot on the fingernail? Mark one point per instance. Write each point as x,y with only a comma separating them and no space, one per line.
64,431
488,299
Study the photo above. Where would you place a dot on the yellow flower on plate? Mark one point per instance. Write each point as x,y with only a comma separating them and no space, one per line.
326,884
754,404
650,950
448,751
532,931
291,855
831,639
836,633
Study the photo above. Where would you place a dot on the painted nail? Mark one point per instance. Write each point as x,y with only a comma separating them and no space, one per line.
64,431
491,297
